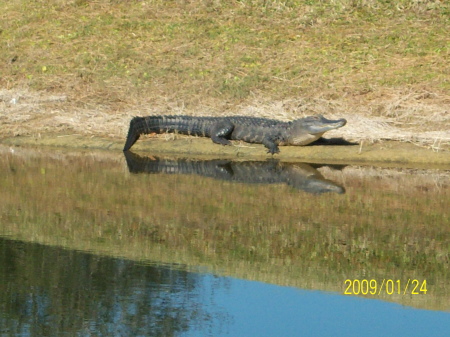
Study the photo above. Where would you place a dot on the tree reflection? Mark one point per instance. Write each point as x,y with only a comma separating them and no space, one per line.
49,291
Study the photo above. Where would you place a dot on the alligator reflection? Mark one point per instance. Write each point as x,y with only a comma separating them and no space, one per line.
298,175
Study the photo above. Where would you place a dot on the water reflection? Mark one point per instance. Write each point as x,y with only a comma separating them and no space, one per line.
48,291
299,175
389,224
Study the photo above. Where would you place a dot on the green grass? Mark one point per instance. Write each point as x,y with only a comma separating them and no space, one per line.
204,51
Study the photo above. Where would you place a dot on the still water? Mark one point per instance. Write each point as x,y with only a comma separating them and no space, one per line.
98,244
50,291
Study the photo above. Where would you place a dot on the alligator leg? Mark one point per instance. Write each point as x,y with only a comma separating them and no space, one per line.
272,144
221,131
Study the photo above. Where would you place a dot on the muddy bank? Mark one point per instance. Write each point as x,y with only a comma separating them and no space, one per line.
387,153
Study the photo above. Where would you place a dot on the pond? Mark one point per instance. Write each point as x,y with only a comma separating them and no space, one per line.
96,243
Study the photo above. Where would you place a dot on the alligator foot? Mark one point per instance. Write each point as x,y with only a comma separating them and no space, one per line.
271,145
273,151
221,131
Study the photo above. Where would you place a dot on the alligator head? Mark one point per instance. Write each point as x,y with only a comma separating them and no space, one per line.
307,130
305,177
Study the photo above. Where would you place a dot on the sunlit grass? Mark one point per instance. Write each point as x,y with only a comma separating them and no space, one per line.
134,51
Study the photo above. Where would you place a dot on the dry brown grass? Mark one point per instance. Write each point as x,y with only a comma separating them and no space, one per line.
407,118
87,67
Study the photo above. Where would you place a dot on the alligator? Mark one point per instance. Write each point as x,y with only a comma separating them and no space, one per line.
297,175
269,132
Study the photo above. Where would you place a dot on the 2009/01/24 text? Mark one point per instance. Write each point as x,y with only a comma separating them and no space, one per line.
387,286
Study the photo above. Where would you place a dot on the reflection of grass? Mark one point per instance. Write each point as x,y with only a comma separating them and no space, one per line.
269,233
224,49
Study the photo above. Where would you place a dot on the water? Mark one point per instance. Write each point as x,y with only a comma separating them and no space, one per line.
218,248
51,291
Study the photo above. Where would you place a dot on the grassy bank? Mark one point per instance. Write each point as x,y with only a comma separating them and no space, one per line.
86,67
128,53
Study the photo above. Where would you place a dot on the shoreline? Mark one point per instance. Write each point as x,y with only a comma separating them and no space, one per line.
381,153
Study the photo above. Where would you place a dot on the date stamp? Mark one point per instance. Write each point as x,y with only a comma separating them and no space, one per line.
387,286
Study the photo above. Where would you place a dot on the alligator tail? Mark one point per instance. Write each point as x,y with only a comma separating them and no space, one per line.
158,124
138,126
